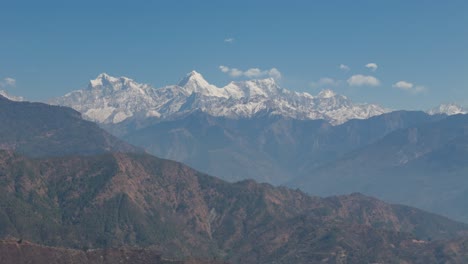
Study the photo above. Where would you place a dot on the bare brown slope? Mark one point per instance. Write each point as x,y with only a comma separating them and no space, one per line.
13,252
119,199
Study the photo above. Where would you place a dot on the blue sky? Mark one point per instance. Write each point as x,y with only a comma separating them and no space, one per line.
420,47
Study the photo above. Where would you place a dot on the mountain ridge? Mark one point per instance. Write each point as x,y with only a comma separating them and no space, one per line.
448,109
132,199
38,129
422,165
265,148
112,100
8,96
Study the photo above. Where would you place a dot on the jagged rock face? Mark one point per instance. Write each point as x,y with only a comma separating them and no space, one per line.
112,100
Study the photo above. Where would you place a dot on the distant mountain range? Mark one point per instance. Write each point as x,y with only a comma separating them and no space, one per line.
424,165
448,109
114,100
265,148
257,130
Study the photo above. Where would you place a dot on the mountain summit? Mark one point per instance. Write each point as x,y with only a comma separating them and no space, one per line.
193,77
194,83
111,100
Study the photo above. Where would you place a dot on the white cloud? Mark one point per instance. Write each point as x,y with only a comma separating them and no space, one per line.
251,73
344,67
235,72
224,68
372,66
419,89
274,73
404,85
229,40
363,80
407,86
325,81
8,82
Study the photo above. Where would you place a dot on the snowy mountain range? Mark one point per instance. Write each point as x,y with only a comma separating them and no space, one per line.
448,109
111,100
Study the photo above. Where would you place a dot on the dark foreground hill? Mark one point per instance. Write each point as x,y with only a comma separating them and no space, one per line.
37,129
115,200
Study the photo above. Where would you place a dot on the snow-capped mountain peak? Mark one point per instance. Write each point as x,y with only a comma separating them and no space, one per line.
448,109
11,97
194,82
106,82
268,86
115,99
106,77
101,80
193,77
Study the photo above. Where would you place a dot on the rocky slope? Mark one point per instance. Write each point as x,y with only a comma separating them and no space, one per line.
37,129
23,252
114,200
411,251
111,100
